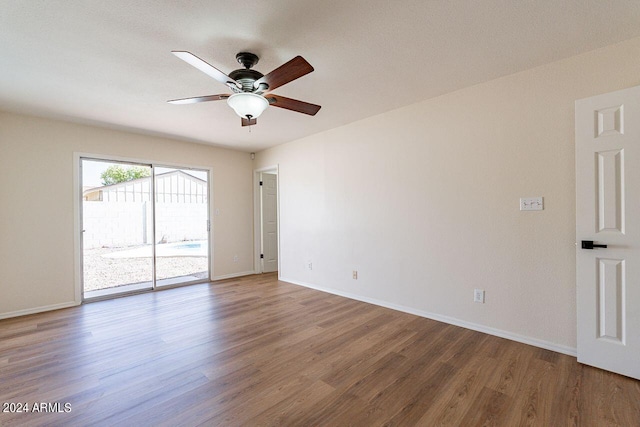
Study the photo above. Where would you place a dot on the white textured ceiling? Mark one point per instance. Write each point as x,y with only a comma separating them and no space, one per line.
109,62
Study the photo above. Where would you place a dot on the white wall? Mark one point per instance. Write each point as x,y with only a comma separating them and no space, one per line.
37,203
423,201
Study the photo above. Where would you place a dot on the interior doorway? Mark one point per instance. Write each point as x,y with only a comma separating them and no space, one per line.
266,219
144,226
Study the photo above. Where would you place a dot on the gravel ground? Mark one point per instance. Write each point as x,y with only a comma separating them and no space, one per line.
102,273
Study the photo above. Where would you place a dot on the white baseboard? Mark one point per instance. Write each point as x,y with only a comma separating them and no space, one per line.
233,275
570,351
35,310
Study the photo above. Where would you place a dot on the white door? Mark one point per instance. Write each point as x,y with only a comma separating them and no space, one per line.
269,218
608,213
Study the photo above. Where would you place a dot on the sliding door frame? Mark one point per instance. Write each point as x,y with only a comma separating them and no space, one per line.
78,157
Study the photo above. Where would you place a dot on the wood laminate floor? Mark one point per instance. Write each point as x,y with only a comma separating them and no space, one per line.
255,351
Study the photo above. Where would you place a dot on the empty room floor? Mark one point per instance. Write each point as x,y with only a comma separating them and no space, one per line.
257,351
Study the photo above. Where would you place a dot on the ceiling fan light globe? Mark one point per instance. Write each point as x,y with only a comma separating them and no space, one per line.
248,105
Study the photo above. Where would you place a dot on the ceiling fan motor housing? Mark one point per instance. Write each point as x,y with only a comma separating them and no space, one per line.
246,77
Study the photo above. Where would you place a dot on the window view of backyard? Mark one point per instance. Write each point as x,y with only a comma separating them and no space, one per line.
118,227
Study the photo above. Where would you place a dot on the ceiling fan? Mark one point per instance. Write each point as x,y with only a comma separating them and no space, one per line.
251,89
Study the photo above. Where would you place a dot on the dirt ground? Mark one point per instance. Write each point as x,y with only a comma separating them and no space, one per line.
101,272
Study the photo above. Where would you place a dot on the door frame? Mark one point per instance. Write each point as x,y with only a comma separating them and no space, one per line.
77,217
257,223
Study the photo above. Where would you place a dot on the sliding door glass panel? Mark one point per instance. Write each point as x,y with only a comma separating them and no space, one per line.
182,218
117,227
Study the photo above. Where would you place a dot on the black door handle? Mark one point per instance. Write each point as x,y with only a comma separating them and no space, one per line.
588,244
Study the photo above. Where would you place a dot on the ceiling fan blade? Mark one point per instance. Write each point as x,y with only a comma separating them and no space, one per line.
198,99
206,68
248,122
293,104
285,73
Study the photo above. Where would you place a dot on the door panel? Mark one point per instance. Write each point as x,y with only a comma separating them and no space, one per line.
182,235
608,213
611,299
117,238
269,213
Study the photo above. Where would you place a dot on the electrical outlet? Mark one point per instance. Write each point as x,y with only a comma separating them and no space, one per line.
309,265
355,274
235,258
478,296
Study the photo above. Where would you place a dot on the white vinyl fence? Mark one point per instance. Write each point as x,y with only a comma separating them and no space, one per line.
121,215
119,224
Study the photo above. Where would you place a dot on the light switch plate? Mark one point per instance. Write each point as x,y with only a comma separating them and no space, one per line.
531,204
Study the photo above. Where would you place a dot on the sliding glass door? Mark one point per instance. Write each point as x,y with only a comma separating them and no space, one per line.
143,226
182,225
117,227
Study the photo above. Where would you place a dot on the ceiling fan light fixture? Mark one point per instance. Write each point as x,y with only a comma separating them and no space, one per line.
248,105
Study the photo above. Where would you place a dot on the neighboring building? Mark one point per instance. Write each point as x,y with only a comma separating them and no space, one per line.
174,186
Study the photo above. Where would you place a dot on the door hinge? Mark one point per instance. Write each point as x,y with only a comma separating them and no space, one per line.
261,256
260,182
208,225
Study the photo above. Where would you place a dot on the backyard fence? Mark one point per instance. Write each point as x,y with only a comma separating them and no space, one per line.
122,214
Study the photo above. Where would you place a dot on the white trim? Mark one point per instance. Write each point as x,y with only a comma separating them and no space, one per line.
35,310
212,211
77,234
160,163
570,351
234,275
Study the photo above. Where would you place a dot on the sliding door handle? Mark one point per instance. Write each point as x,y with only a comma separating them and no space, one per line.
588,244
